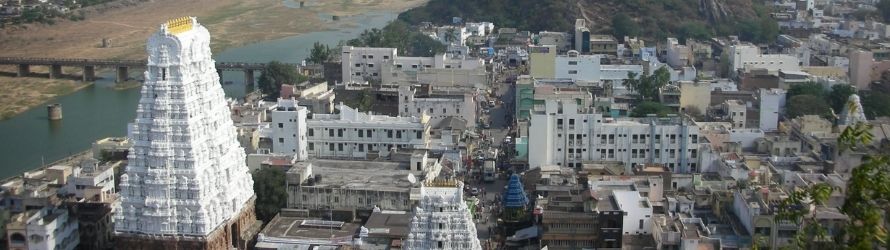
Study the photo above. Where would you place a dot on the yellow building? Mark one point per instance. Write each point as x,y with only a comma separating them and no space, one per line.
695,95
543,61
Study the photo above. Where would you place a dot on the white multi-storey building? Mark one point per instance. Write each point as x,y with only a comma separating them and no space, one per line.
363,64
563,133
772,102
349,134
589,68
186,176
746,57
92,181
677,54
45,229
637,210
442,219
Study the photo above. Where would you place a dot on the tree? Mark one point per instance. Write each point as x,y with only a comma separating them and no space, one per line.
807,88
798,209
631,82
276,73
695,31
868,192
839,95
320,53
875,104
623,26
646,107
807,105
271,193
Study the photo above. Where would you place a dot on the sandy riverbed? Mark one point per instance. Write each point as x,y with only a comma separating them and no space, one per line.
231,23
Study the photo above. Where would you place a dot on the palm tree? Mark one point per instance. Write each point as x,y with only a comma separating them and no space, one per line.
631,82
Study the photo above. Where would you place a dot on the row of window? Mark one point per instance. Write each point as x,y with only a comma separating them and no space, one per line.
365,133
340,147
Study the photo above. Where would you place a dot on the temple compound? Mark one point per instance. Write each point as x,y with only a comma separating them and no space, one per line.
187,185
442,219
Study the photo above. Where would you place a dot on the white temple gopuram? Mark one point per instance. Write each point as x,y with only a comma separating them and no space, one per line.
442,219
186,184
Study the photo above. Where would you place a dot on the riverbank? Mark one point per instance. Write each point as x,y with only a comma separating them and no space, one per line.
232,23
21,94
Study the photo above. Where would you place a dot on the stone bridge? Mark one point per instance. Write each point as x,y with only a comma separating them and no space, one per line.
121,66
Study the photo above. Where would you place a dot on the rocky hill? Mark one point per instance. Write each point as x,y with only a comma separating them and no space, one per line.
651,19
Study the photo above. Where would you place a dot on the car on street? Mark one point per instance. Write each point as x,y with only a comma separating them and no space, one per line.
508,140
474,191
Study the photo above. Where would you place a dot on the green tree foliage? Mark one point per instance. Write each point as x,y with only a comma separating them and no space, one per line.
695,31
271,194
807,105
884,9
320,53
647,86
808,88
623,26
797,209
400,35
645,108
275,74
868,193
839,95
876,104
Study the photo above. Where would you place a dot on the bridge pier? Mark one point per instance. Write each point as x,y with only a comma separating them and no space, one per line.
24,70
248,77
55,71
89,73
122,74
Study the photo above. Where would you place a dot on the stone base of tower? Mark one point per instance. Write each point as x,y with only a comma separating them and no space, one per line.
239,232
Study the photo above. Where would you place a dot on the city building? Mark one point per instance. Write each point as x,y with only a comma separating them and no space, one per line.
359,185
695,96
314,96
583,68
746,57
364,64
677,54
772,105
299,229
49,228
421,101
582,36
542,61
567,134
442,219
186,184
348,134
92,181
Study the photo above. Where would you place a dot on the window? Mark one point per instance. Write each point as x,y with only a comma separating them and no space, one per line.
339,146
280,125
414,66
694,152
340,132
573,72
311,146
370,56
358,73
398,66
388,133
311,132
369,133
370,65
431,111
385,57
358,65
419,134
361,147
399,134
331,146
331,132
641,224
361,133
444,110
573,62
281,140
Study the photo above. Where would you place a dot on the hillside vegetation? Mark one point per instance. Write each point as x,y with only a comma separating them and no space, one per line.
650,19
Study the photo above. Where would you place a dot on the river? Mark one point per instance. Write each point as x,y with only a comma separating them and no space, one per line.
29,139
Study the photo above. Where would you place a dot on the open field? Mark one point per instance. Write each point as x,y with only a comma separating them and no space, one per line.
128,23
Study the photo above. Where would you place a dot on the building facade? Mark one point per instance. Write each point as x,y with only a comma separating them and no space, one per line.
49,228
186,183
562,133
349,134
